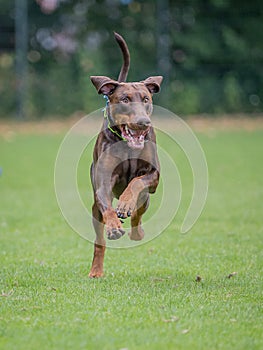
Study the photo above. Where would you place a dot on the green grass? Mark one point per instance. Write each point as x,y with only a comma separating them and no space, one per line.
149,298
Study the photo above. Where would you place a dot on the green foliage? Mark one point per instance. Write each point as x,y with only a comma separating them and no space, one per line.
149,298
232,93
211,50
7,89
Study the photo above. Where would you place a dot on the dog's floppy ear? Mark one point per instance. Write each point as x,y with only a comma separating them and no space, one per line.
104,85
153,83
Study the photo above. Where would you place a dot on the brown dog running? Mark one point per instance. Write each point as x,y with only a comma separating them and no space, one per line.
125,162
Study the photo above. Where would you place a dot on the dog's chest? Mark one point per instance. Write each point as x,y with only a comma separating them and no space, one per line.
128,170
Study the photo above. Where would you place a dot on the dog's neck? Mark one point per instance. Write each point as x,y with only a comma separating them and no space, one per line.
111,127
107,117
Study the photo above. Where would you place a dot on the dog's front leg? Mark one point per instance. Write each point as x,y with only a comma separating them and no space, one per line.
130,200
112,223
105,180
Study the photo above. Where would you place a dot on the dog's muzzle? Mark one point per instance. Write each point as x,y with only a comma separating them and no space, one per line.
135,134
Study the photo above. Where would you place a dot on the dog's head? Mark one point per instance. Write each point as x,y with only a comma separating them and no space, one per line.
130,106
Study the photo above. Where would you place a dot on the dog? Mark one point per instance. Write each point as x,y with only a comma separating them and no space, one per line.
125,161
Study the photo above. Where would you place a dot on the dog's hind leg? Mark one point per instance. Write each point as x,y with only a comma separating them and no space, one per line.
137,232
99,245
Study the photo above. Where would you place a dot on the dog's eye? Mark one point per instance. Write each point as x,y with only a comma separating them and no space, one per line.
125,100
146,99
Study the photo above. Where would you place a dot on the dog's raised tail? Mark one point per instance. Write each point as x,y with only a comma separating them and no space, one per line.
126,57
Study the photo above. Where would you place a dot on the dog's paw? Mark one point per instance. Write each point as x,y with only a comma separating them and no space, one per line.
125,208
136,234
113,226
96,273
114,233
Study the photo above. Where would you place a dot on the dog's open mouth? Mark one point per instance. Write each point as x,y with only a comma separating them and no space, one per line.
135,138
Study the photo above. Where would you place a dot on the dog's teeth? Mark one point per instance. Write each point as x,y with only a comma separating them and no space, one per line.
126,128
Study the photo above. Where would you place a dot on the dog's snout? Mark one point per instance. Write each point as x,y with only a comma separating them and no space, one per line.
144,122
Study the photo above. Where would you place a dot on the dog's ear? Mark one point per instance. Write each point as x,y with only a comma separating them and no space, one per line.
104,85
153,83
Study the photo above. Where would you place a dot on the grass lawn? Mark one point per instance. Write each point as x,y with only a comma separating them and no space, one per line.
149,297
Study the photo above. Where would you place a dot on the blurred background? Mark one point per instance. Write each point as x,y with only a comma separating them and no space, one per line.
209,52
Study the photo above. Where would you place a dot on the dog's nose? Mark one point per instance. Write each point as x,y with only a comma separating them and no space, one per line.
143,122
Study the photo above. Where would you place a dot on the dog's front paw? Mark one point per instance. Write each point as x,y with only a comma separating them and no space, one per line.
114,233
125,208
114,229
